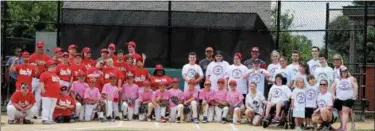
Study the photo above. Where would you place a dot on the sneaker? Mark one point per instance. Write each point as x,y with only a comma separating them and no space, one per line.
117,118
224,120
101,119
109,118
325,128
178,120
307,127
11,122
135,117
35,117
205,120
298,128
196,120
25,121
46,122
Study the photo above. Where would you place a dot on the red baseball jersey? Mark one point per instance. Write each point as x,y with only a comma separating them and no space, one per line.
88,63
25,74
64,101
123,66
64,71
22,100
156,80
111,70
75,68
40,60
51,84
140,75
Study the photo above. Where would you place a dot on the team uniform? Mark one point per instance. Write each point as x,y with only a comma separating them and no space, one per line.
220,110
76,68
312,92
324,73
52,86
336,73
299,75
23,101
215,71
161,105
110,105
25,74
255,102
88,63
235,73
313,65
293,69
299,97
209,107
129,96
279,94
79,87
65,74
235,98
191,71
175,103
145,98
122,66
344,93
193,105
99,77
140,75
156,80
326,100
60,115
257,76
272,68
89,104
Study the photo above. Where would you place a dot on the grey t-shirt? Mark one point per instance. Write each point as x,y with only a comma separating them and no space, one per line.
204,64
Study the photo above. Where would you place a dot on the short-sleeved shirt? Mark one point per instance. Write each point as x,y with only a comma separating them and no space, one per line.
163,95
10,61
204,64
107,71
234,97
190,71
22,100
88,63
313,65
249,64
215,71
111,91
79,87
206,95
191,94
25,73
64,72
145,96
140,75
36,58
220,95
299,97
51,84
175,92
92,93
324,100
312,92
64,101
76,68
235,72
255,102
156,80
279,93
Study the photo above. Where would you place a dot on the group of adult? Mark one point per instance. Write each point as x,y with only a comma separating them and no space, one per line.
116,74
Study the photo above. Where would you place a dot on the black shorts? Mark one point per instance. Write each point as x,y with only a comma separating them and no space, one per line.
309,112
244,98
338,104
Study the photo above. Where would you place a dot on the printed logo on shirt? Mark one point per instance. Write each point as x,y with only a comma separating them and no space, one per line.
65,103
300,98
314,67
218,70
295,71
140,78
88,66
344,85
273,70
277,93
311,93
236,74
255,77
23,103
65,72
256,104
322,103
322,75
55,79
26,72
191,73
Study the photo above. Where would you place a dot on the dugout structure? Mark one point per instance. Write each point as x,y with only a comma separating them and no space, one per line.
167,31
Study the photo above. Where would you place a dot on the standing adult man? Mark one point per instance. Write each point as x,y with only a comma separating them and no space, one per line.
314,62
192,71
13,75
209,58
294,66
131,48
24,72
324,71
39,58
103,55
87,61
255,55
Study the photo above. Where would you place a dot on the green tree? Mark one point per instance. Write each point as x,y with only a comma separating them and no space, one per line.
288,41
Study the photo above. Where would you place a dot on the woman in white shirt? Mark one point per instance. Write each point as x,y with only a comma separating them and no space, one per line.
324,113
254,105
271,68
217,69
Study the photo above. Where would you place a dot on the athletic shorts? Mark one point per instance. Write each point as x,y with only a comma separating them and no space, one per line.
309,112
338,104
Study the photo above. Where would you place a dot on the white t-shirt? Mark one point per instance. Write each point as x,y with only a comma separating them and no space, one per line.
279,93
235,73
285,72
190,71
336,74
256,102
313,65
324,100
257,76
293,68
312,92
299,97
216,70
324,73
272,68
344,88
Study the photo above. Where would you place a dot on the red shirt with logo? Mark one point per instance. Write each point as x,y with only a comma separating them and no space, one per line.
64,72
40,60
88,63
22,100
123,66
51,84
75,68
111,70
140,75
156,80
64,101
25,74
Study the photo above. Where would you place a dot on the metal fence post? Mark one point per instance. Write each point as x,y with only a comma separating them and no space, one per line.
326,31
278,24
58,26
169,49
363,86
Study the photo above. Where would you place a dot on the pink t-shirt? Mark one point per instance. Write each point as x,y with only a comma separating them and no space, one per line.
79,87
145,95
220,95
92,93
191,94
233,97
163,95
111,91
175,92
129,91
205,95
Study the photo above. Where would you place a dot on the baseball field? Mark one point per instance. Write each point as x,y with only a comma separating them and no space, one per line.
147,126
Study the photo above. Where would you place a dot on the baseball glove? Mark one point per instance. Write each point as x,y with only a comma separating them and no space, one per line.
186,109
196,76
163,103
79,98
129,101
174,99
143,108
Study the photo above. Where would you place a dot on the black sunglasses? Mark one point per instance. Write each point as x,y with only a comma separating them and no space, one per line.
323,84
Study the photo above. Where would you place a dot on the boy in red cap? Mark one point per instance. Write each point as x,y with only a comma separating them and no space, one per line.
97,72
190,101
158,77
111,69
175,104
111,51
25,72
21,105
64,107
57,55
221,104
64,71
103,55
78,91
50,88
87,61
131,48
109,93
129,95
91,98
39,58
208,107
141,73
120,63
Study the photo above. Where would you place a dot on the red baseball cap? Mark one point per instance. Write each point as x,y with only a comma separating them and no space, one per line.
192,81
40,44
175,80
343,68
255,49
104,50
72,46
146,83
159,67
132,43
232,82
78,54
221,80
86,50
50,62
65,54
58,49
113,46
25,54
238,54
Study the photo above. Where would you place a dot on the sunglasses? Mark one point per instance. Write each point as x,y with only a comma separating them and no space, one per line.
323,84
336,59
207,84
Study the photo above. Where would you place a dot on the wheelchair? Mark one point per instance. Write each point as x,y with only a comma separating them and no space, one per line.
286,120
